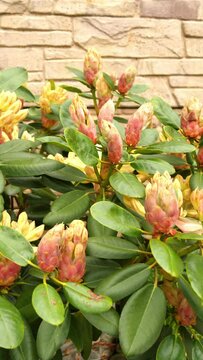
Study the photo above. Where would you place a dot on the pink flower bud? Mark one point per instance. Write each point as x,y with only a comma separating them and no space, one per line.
113,139
161,203
126,80
200,155
133,129
103,90
191,118
9,271
49,248
107,112
92,65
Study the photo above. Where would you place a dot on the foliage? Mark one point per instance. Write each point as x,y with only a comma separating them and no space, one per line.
101,218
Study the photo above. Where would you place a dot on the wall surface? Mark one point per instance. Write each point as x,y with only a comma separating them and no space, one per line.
162,38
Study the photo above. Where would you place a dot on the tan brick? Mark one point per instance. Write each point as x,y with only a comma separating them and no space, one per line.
60,53
194,47
30,58
32,38
134,37
186,81
170,67
176,9
85,7
183,94
35,76
36,87
13,6
193,28
36,22
57,69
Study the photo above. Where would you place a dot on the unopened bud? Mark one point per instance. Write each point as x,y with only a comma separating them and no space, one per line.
92,65
9,271
126,80
196,198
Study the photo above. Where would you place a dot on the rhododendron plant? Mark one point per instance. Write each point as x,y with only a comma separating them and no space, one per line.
101,218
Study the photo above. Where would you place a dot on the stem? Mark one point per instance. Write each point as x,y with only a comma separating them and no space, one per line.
191,161
97,174
95,100
33,265
57,281
155,277
120,98
189,249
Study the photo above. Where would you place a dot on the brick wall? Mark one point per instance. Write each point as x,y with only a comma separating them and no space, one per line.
162,38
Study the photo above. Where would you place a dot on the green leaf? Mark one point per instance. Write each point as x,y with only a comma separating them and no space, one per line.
14,246
82,146
164,113
171,159
48,304
27,349
14,146
11,325
2,182
81,334
12,78
68,173
148,137
141,320
96,229
192,297
166,257
196,180
24,301
71,88
76,72
171,348
68,207
109,81
50,338
124,282
194,267
173,146
64,115
85,300
127,184
115,217
106,322
138,88
151,166
109,247
29,166
136,98
55,140
197,350
25,94
97,270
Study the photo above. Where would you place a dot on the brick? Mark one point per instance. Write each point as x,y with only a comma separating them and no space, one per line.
30,58
174,9
170,67
36,87
57,69
32,38
193,28
73,52
194,47
35,76
186,81
183,94
88,7
134,37
13,6
36,22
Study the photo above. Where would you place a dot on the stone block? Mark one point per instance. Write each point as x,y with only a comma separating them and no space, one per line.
183,94
170,67
35,76
193,28
194,47
30,58
73,52
41,6
36,22
132,37
34,38
13,6
186,81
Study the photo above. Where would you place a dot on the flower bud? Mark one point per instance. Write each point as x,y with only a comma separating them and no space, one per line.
103,90
160,212
185,314
126,80
72,257
134,205
113,139
9,271
196,198
200,156
50,96
92,65
192,118
107,112
133,130
48,251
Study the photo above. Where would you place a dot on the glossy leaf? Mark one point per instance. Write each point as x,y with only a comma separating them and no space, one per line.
171,348
115,217
68,173
98,269
48,304
12,78
194,267
136,98
109,81
82,146
96,229
25,94
2,182
14,146
124,282
50,338
196,180
165,113
27,349
85,300
106,322
151,166
173,146
166,257
81,334
14,246
109,247
192,297
11,325
64,115
68,207
127,184
138,88
55,140
197,350
148,137
141,320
